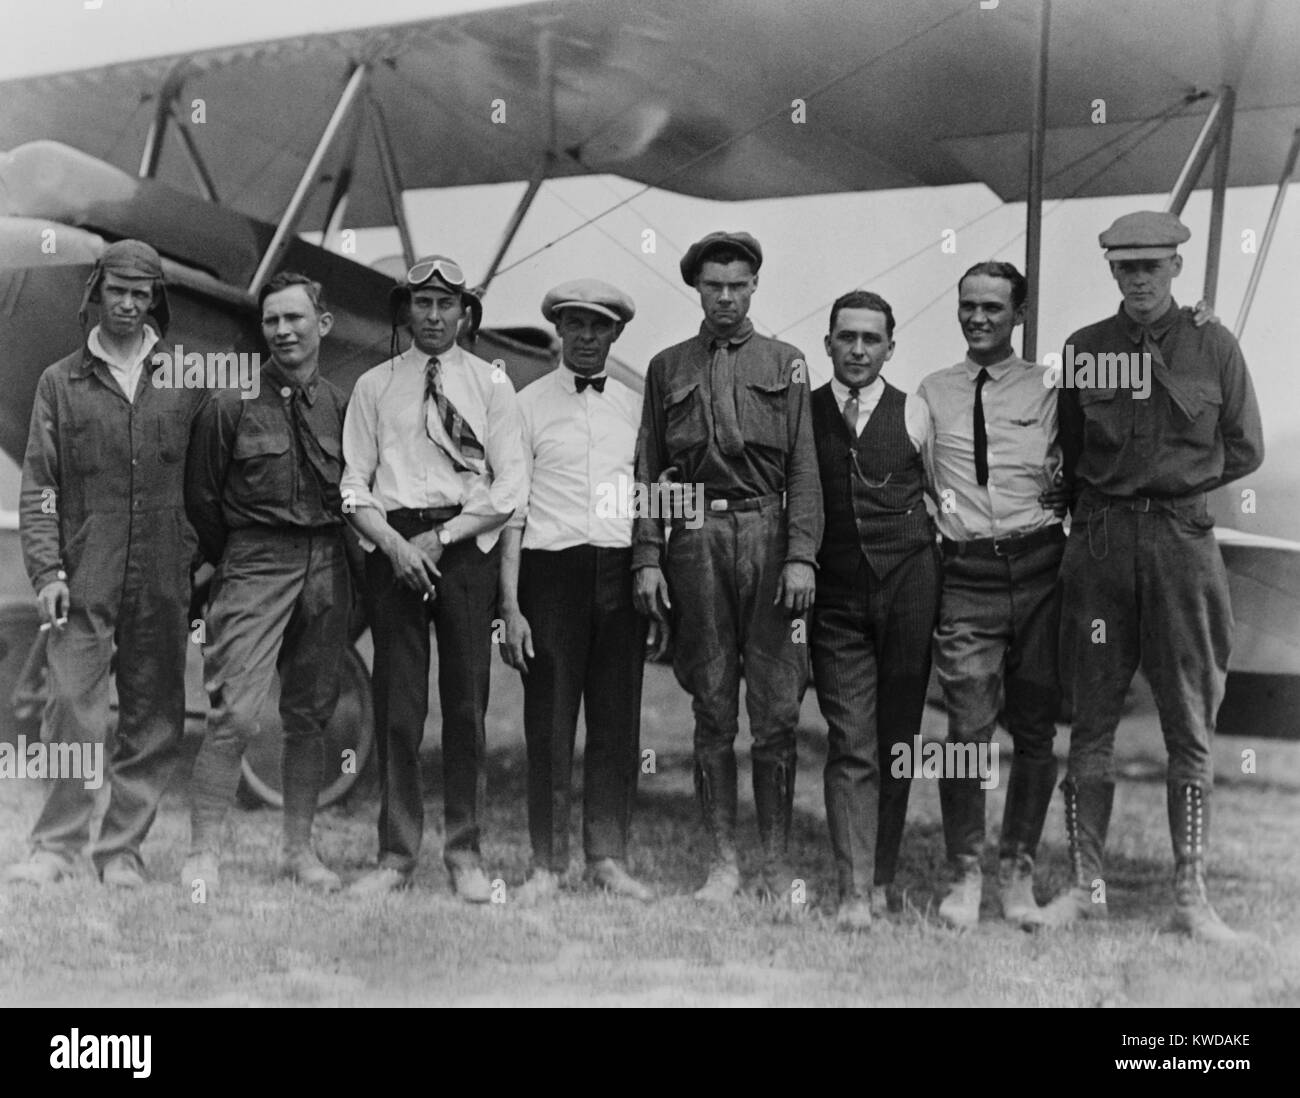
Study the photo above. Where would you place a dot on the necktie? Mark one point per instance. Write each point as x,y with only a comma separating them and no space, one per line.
461,433
851,411
597,383
326,476
981,435
722,386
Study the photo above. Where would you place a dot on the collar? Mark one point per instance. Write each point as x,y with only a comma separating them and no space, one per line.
871,392
1158,327
997,371
278,380
569,378
95,347
414,355
739,336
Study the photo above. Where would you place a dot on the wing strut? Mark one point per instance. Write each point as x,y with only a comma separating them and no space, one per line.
201,174
162,111
546,82
1034,201
1215,136
1218,195
392,177
293,212
1273,215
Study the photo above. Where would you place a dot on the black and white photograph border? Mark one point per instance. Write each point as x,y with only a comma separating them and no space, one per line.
879,145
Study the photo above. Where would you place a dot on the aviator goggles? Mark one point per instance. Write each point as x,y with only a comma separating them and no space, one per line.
447,270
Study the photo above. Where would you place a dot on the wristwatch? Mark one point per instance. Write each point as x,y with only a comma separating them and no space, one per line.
444,537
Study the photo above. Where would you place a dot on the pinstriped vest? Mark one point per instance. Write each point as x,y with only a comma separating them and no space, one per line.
874,505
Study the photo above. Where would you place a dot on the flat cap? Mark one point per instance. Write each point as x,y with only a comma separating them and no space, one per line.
698,252
1147,234
591,294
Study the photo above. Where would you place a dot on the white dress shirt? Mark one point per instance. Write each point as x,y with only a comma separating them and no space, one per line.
579,449
126,371
916,416
390,460
1020,422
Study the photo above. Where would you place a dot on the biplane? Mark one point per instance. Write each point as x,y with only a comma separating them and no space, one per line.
226,159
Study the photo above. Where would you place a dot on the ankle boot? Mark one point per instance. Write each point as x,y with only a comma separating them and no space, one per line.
1029,793
1088,803
1189,821
774,806
715,790
962,802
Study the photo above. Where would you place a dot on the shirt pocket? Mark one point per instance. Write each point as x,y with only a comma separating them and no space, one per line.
685,427
173,435
763,418
85,448
262,470
1104,419
1205,405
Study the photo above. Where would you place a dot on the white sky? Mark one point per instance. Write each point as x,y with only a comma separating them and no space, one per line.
815,248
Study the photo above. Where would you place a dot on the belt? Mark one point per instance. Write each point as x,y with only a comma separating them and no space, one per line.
1096,501
425,514
1010,546
752,503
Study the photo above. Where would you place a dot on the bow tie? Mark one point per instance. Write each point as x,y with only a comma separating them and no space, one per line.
597,383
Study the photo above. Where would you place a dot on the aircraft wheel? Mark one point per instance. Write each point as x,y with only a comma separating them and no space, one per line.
351,729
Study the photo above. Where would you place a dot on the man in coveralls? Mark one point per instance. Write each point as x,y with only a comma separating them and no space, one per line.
262,489
728,411
1143,579
108,550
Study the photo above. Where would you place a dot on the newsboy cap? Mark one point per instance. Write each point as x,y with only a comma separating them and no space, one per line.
698,252
591,294
1147,234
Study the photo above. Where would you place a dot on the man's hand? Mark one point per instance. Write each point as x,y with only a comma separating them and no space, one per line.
53,600
796,587
518,648
650,594
658,639
1056,499
413,564
1203,314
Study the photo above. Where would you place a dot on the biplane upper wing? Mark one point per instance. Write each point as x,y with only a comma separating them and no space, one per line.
700,98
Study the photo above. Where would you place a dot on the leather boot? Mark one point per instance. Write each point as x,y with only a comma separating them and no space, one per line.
715,790
1189,822
962,801
1029,793
1088,803
774,806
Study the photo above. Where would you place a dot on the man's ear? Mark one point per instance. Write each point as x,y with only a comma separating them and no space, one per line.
754,276
826,342
326,322
1176,264
618,329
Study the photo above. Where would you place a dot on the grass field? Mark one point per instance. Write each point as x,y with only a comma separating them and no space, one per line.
264,942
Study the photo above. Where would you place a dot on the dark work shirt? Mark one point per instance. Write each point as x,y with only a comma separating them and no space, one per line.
771,393
248,468
1198,429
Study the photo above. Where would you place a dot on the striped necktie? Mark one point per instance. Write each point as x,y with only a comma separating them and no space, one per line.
851,409
461,433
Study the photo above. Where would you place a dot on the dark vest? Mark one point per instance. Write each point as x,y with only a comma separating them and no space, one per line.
875,505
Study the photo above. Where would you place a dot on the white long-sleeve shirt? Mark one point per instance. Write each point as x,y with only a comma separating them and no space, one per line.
390,460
